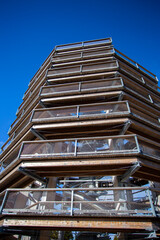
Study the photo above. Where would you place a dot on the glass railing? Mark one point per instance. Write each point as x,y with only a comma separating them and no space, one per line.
121,145
105,66
97,85
2,167
135,64
155,87
30,92
128,201
137,89
87,146
23,125
130,71
105,110
144,116
5,163
6,144
156,100
83,44
82,54
113,145
80,111
149,151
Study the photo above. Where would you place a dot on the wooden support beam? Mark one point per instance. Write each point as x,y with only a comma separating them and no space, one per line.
80,124
83,223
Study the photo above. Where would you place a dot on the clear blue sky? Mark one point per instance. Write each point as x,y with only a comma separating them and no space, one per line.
29,30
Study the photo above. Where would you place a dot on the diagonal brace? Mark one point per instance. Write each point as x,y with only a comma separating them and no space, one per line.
130,172
125,128
152,235
42,104
33,175
37,134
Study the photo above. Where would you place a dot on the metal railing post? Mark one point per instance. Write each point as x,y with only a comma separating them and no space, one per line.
137,144
75,149
151,203
128,107
3,202
80,85
78,111
72,194
20,150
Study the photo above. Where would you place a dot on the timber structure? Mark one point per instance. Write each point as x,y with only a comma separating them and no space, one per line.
84,151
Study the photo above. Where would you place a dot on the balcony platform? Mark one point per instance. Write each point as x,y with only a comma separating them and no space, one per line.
12,177
114,208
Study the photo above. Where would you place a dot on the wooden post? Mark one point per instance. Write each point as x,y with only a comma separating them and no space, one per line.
45,235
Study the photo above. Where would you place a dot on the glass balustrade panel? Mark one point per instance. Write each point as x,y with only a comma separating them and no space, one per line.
106,109
103,41
48,149
105,65
55,113
64,70
149,151
60,88
63,56
100,84
85,202
84,86
68,46
97,52
130,70
85,146
111,145
156,100
21,127
54,202
144,116
8,161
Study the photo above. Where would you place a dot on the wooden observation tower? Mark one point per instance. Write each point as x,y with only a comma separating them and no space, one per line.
84,151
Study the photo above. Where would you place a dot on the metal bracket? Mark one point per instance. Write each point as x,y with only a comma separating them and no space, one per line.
42,104
33,175
125,128
150,98
130,172
37,134
152,235
120,98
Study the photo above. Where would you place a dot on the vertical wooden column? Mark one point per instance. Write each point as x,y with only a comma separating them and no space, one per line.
46,234
120,196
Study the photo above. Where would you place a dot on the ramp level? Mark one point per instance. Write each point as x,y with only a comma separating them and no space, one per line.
120,201
111,146
68,88
106,109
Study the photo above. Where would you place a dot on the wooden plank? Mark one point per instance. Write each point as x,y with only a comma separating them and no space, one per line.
83,223
149,164
82,77
80,162
80,97
146,176
81,124
145,130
